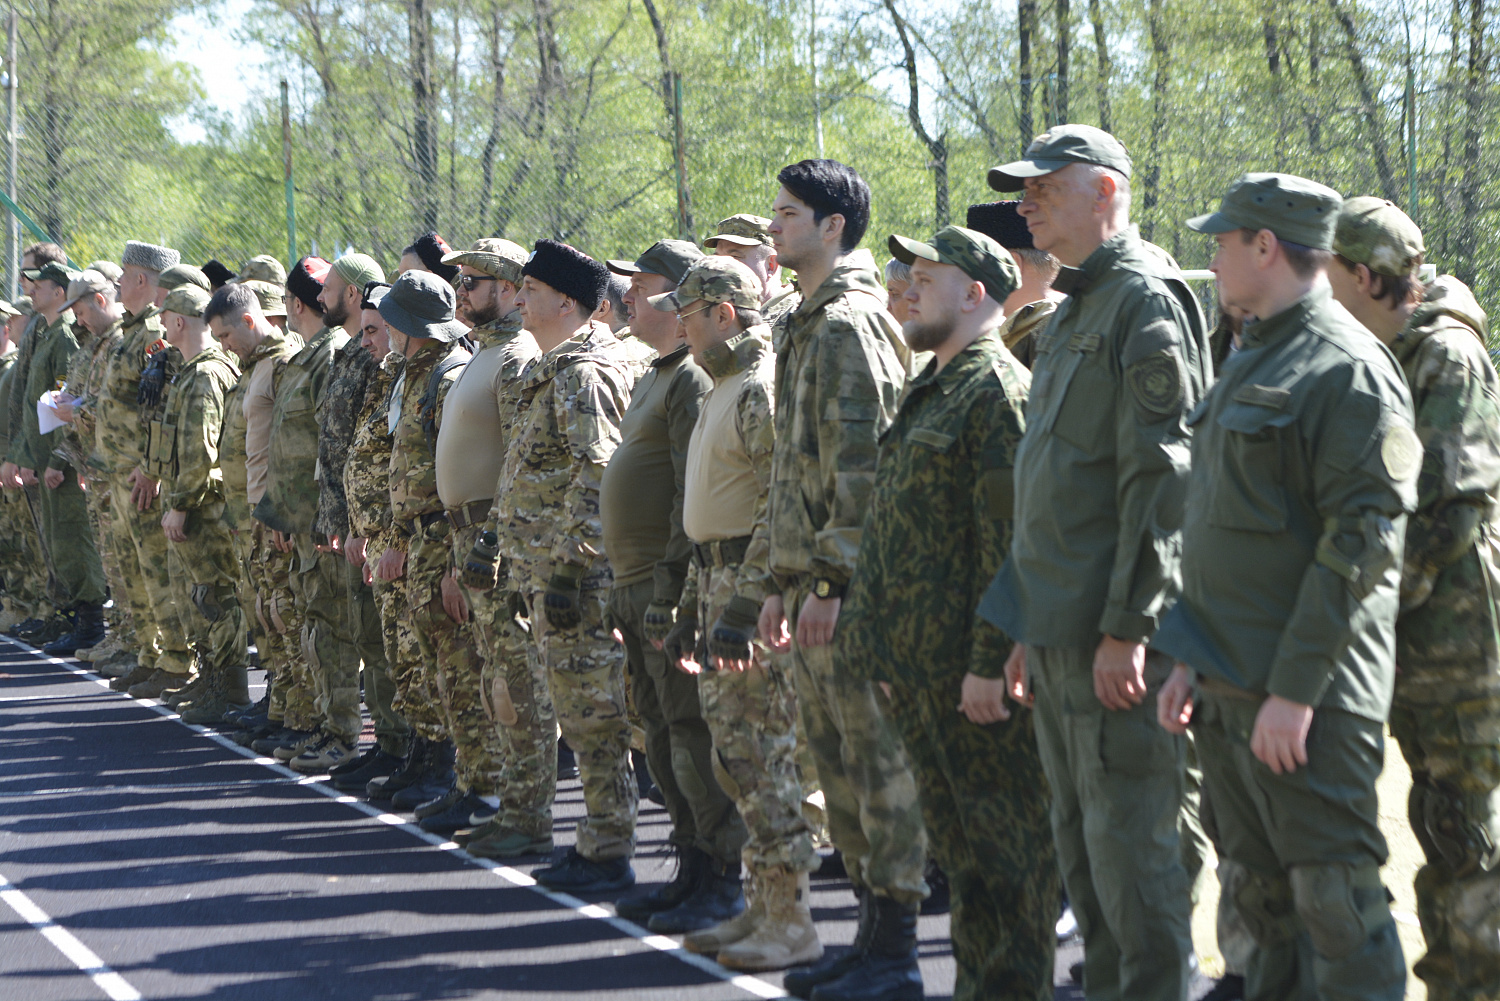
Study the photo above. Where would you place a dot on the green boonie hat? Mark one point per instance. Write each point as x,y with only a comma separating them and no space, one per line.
359,270
744,229
1295,209
188,300
420,304
495,257
272,297
262,268
669,258
1374,232
1058,147
84,283
56,273
715,280
179,275
108,269
970,251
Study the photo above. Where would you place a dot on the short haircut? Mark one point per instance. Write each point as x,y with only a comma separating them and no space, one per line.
1399,289
615,292
43,254
895,271
1304,261
230,303
828,188
1039,260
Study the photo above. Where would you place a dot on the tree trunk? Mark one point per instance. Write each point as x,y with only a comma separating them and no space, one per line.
1026,25
1064,50
497,114
938,147
1101,52
1369,105
1161,60
1475,76
674,139
424,111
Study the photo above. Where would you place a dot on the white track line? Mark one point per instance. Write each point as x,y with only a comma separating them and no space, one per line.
80,955
594,912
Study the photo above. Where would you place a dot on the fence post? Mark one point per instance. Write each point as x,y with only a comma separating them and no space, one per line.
286,156
13,229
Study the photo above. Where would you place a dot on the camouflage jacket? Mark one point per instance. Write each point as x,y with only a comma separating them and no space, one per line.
349,379
840,366
568,409
15,407
51,357
185,442
1446,634
86,380
120,435
1021,329
276,348
731,465
939,524
7,379
367,470
291,501
413,479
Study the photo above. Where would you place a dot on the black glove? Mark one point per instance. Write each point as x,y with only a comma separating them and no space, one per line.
731,635
153,380
481,570
658,621
682,640
563,601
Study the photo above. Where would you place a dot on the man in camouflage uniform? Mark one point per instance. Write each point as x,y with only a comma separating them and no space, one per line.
183,454
747,699
1447,698
419,307
289,508
479,415
21,555
840,366
938,528
547,523
744,238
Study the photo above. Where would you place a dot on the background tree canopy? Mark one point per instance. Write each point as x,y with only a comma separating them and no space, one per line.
530,118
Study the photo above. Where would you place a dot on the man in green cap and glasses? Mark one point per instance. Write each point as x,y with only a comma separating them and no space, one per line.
1099,481
938,526
1447,697
1304,468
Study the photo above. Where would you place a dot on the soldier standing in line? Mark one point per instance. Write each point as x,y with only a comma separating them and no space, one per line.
744,238
1447,695
1304,467
22,556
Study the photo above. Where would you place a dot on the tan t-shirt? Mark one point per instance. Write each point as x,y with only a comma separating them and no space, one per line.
260,397
721,488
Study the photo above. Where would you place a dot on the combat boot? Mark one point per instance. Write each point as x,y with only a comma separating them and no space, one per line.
785,935
640,905
469,810
356,773
378,789
496,841
709,941
157,685
715,899
229,691
61,624
117,664
201,684
576,873
438,804
435,780
27,628
99,651
136,675
88,629
247,717
887,969
801,981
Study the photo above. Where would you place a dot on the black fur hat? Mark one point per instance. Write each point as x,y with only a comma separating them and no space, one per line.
218,274
1002,223
431,247
572,272
305,281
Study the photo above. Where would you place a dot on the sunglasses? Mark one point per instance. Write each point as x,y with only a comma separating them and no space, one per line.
469,281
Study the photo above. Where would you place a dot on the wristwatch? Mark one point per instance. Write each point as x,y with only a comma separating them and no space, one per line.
825,588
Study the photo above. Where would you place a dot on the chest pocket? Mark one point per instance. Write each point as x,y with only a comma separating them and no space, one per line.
1080,405
1249,492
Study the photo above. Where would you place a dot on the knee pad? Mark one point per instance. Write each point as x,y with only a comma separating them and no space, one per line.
212,602
685,770
1264,904
1341,905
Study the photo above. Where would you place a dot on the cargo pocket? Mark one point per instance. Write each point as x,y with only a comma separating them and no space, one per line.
1083,414
1247,494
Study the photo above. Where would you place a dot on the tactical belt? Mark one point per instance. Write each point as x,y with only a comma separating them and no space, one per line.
721,552
416,525
470,514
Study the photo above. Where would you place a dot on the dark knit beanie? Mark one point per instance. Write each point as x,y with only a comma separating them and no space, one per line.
1002,223
305,281
218,274
430,249
572,272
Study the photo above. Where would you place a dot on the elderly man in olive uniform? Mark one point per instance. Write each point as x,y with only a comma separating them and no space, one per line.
939,526
1447,696
1304,467
1100,475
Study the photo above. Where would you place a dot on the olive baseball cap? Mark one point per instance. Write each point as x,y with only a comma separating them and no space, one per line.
420,304
669,258
973,253
183,274
272,298
1295,209
715,280
85,283
744,229
188,300
1374,232
493,256
58,274
1058,147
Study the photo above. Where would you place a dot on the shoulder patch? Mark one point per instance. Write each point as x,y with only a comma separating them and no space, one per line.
1401,452
1157,383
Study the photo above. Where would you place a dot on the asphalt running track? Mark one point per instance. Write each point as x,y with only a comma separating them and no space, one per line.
142,857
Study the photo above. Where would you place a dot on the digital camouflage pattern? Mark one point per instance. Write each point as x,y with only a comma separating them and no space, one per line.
322,595
1446,715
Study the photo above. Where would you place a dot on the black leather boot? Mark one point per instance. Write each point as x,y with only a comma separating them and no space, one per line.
412,766
640,905
436,779
801,981
887,969
88,630
717,898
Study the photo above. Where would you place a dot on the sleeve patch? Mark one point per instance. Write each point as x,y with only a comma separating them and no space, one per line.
1401,452
1157,383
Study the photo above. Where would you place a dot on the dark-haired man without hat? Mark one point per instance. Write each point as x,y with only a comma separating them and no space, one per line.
840,366
1305,465
1031,305
1093,562
938,527
1447,696
547,524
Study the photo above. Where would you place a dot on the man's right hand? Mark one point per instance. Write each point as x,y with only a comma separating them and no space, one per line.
28,477
354,551
1017,684
282,541
392,565
772,626
481,569
10,476
1174,702
52,478
1279,739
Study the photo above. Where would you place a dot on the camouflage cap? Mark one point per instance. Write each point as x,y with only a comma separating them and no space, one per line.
263,268
85,283
7,310
1058,147
744,229
108,269
1374,232
58,274
179,275
715,280
495,257
272,297
23,306
973,253
669,258
187,300
1295,209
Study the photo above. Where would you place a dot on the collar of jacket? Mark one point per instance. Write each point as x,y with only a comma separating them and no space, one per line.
730,358
1075,281
960,366
1446,303
856,274
1259,333
587,343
